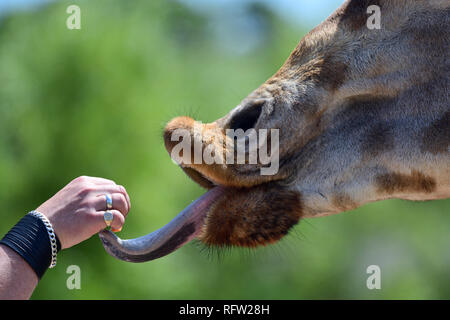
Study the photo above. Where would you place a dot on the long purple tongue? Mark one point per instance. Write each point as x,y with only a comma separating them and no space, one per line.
182,229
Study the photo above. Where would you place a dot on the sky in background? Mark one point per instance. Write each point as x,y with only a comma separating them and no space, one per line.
306,12
235,31
239,33
7,6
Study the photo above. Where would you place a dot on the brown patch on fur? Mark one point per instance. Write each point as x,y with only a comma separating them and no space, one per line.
332,73
378,140
398,182
436,137
250,217
343,202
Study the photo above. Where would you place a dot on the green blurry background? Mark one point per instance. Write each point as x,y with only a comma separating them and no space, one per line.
94,102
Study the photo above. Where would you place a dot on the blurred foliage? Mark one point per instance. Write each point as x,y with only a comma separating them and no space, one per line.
94,102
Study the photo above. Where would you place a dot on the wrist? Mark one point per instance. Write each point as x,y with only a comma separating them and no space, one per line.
49,213
34,240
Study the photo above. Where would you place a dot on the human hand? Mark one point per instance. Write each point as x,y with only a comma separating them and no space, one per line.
76,211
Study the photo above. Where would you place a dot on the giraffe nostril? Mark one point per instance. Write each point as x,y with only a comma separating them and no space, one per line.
248,116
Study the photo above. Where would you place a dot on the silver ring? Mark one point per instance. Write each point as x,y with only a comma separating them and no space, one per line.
109,203
108,217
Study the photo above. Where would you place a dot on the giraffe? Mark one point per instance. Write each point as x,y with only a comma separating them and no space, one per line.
363,115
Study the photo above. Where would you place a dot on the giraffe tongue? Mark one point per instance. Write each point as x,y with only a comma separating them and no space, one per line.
182,229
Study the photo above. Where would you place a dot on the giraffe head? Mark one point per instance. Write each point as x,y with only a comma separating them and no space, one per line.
343,125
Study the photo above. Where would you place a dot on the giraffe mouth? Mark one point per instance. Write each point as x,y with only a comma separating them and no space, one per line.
224,216
186,226
199,178
240,208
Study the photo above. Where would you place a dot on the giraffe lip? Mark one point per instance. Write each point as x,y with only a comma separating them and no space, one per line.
199,178
186,226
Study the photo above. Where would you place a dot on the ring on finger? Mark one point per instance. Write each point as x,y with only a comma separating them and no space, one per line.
109,203
108,217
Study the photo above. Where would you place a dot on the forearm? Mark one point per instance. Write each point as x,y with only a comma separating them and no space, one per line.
17,279
73,215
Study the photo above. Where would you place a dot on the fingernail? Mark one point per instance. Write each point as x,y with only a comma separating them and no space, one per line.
116,230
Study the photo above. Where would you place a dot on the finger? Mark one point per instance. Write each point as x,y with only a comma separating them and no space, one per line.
101,181
125,193
109,188
92,180
116,223
119,202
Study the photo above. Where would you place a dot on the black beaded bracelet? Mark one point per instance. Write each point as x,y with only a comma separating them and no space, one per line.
30,239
